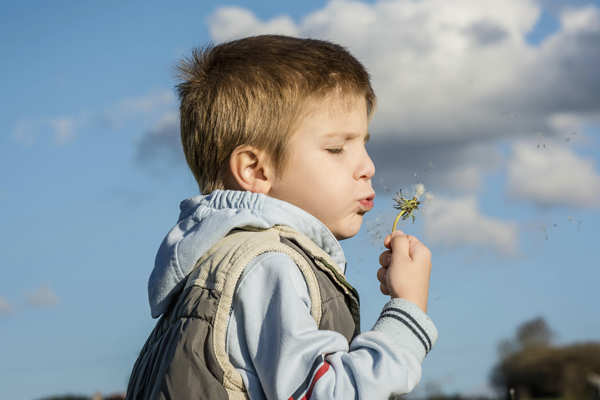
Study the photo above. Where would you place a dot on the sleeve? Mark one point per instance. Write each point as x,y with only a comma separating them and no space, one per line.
275,343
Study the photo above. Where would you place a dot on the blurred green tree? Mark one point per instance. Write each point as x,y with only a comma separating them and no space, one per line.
533,368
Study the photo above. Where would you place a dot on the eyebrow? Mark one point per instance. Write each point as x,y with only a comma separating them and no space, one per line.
348,135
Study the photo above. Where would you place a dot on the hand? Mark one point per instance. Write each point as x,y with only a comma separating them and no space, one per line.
405,269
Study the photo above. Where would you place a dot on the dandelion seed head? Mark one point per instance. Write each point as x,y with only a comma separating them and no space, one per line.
398,197
419,190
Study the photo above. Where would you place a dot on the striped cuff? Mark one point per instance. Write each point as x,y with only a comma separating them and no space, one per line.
408,326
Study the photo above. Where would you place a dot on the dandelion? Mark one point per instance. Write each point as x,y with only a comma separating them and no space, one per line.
407,206
419,190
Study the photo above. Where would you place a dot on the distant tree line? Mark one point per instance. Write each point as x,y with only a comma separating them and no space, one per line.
531,367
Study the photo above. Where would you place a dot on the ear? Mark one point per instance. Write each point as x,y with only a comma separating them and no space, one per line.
250,169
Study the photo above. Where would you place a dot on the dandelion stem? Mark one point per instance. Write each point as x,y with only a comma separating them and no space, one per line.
400,214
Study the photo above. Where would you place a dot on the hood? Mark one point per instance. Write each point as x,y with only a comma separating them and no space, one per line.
204,220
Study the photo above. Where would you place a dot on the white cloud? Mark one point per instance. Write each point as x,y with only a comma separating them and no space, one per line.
146,104
161,146
129,108
44,296
580,19
454,222
65,128
231,22
455,167
552,175
5,307
465,178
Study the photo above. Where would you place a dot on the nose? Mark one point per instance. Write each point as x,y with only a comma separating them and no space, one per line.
365,168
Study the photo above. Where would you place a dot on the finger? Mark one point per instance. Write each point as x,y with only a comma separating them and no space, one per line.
385,258
381,274
388,238
413,239
400,247
384,289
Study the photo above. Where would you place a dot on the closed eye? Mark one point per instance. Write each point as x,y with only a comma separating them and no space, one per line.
336,150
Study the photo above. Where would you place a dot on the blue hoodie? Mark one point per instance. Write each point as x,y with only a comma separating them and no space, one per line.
272,305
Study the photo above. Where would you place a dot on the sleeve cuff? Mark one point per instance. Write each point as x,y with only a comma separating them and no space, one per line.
408,327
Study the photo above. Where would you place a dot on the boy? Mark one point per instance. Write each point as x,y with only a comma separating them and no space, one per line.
250,282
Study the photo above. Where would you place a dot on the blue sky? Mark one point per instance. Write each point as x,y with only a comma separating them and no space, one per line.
497,113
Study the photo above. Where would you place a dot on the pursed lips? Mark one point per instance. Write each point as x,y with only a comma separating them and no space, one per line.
367,202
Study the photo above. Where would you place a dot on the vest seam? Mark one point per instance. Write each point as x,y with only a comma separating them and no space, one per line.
333,298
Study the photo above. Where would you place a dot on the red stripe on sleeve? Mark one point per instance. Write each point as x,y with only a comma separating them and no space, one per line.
324,368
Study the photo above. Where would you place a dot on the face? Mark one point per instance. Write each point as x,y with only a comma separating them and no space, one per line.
328,171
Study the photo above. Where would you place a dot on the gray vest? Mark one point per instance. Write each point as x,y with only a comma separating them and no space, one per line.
185,356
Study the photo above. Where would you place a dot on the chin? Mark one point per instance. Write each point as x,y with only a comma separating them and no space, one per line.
347,228
347,234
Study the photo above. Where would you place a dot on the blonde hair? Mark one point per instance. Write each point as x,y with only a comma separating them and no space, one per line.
252,91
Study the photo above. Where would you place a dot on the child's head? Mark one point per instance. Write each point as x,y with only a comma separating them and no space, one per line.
282,116
254,91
